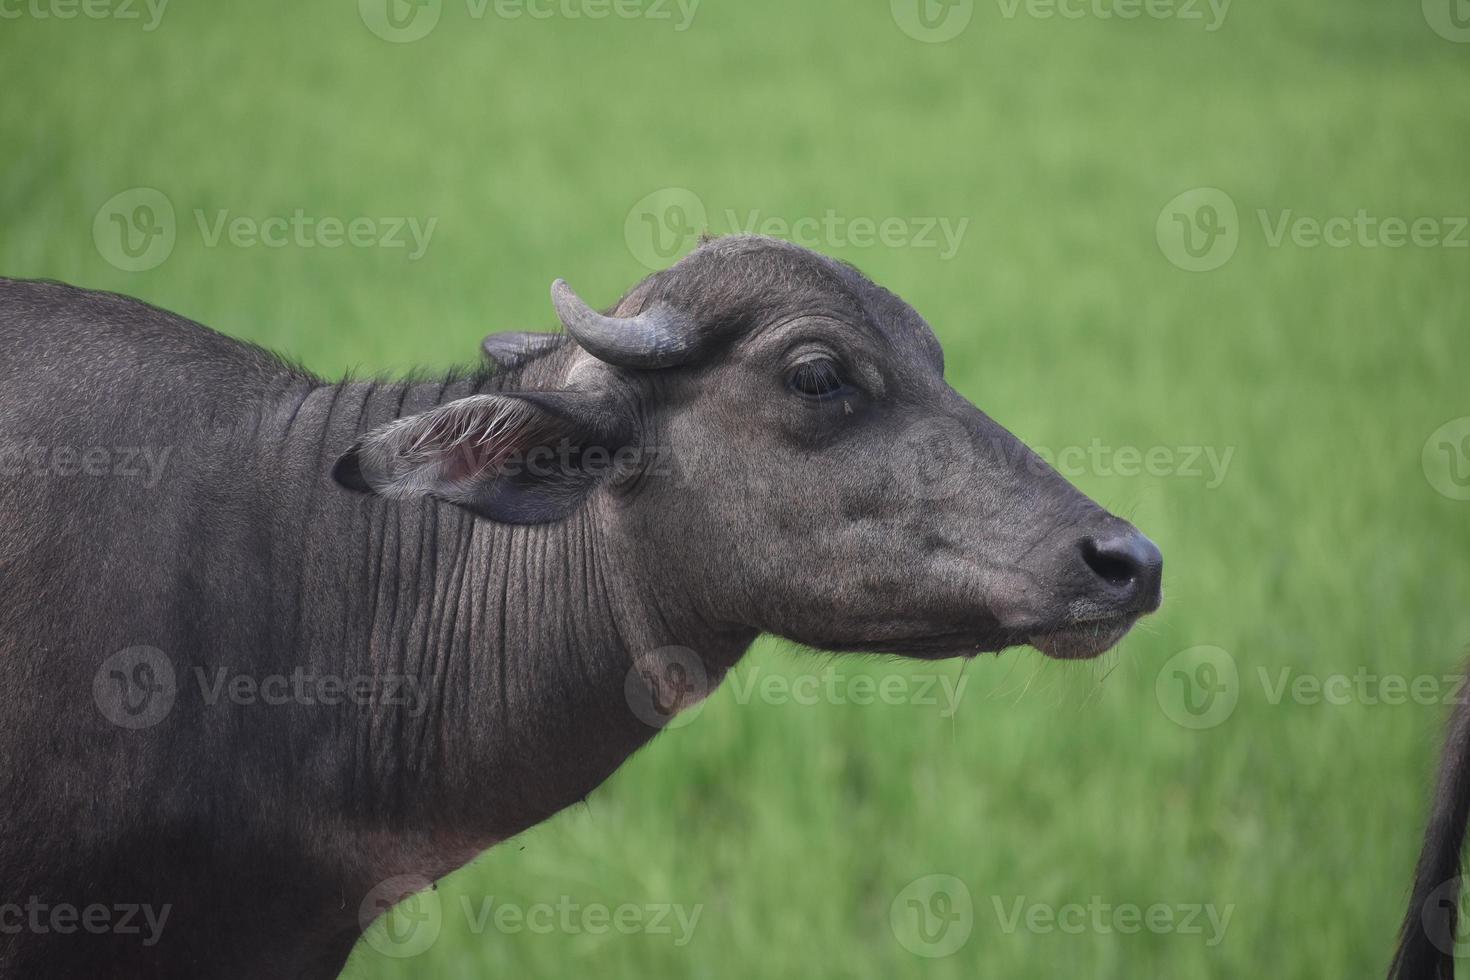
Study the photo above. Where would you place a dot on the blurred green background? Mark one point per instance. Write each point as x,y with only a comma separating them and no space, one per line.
1129,271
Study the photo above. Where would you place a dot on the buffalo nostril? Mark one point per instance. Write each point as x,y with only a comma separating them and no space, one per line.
1127,560
1115,567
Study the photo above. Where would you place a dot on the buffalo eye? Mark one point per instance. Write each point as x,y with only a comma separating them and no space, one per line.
818,379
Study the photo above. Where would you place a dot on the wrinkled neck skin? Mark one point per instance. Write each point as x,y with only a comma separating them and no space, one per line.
503,650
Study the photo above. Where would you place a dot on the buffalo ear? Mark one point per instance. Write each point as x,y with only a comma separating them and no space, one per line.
511,350
515,458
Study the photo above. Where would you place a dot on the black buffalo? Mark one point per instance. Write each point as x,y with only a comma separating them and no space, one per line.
269,640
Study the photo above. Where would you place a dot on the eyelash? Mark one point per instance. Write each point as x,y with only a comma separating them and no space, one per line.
818,379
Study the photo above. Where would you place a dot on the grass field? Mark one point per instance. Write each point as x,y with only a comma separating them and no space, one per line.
1130,280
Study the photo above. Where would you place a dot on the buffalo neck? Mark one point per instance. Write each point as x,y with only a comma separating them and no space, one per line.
485,663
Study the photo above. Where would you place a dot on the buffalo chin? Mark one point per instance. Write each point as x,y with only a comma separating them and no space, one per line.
1083,641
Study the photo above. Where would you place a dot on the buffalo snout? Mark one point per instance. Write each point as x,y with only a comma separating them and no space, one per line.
1127,569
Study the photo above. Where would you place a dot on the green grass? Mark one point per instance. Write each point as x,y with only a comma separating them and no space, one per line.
1325,549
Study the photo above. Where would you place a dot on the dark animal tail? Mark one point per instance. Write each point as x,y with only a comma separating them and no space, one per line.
1427,942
